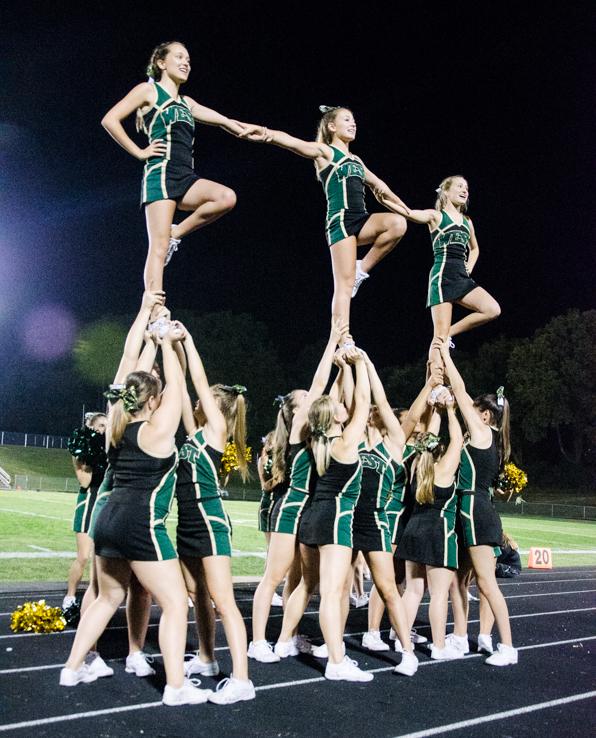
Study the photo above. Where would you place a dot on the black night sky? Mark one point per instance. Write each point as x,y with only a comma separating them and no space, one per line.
500,92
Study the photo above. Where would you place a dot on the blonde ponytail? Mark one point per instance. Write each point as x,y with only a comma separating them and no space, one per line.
231,402
320,420
425,478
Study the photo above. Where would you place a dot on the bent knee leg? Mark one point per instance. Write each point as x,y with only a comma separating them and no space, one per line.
397,228
227,199
494,310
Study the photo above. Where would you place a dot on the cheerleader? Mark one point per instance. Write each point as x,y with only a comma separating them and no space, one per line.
291,458
203,534
271,489
482,458
130,534
348,224
371,533
138,601
89,460
327,524
342,395
401,501
455,249
169,179
429,543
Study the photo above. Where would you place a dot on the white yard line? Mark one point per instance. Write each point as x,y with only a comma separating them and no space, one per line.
441,729
279,685
346,635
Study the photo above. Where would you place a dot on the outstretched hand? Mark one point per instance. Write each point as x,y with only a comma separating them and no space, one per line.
338,329
255,133
152,299
176,332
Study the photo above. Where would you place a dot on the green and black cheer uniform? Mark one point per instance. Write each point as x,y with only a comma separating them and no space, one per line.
103,495
168,177
430,537
449,279
302,479
329,517
400,506
269,498
343,182
268,501
132,524
86,500
204,528
371,526
478,472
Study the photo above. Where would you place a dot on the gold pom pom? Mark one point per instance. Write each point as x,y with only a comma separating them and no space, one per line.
512,480
229,460
37,617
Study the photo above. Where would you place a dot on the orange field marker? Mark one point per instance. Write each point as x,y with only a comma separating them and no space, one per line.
540,558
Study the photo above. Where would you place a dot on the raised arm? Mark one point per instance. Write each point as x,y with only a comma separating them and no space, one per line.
159,432
319,382
136,335
395,432
147,358
352,434
479,432
448,464
140,96
474,250
418,407
216,427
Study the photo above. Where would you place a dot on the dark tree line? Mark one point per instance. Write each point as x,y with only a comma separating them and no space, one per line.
549,378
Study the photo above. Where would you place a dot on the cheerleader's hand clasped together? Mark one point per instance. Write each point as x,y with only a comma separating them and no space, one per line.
169,179
348,225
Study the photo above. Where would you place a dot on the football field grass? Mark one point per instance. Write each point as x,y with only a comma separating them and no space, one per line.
37,542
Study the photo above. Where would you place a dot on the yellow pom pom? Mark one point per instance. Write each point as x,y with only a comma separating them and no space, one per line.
37,617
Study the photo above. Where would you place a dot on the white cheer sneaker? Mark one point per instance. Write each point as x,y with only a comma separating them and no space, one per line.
347,670
232,690
138,663
262,651
504,656
460,643
194,665
188,694
72,677
373,642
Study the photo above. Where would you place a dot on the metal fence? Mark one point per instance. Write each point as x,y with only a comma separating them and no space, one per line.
45,484
39,440
547,510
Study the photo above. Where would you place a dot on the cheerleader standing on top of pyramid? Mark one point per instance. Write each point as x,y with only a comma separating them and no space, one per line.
169,179
343,176
456,252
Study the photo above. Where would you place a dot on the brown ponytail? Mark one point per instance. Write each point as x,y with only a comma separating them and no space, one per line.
154,73
145,385
281,434
500,417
